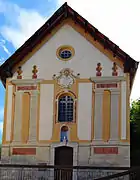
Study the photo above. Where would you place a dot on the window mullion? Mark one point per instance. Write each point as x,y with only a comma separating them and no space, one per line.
66,108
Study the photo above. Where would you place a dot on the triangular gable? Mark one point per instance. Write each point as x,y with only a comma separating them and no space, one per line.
63,14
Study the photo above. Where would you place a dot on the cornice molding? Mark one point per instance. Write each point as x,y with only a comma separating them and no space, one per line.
107,79
26,81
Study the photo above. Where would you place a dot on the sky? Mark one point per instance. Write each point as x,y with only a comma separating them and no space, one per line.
117,19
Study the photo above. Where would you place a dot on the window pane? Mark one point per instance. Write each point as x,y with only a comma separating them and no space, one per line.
65,54
65,109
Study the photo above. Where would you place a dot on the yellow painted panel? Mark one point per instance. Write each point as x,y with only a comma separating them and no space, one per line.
106,115
25,116
13,114
5,115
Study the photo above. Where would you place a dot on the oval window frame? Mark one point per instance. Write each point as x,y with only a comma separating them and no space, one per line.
63,48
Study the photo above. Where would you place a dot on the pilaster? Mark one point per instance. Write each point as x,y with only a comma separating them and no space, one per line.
114,125
18,117
98,115
33,117
123,111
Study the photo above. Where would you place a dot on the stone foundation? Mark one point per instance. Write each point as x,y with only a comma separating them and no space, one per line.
83,154
122,159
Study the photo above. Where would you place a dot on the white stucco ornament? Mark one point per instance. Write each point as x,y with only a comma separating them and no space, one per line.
66,78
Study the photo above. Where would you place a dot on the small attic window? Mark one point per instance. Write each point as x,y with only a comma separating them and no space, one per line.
65,53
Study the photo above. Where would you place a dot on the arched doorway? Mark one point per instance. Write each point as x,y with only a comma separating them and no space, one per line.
63,157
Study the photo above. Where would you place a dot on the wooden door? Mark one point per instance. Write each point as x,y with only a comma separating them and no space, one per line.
63,157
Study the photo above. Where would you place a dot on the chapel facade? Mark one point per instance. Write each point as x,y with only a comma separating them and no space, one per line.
67,96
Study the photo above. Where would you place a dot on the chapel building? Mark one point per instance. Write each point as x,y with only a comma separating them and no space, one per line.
67,96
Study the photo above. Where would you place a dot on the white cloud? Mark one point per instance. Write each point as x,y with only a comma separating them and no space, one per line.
1,113
1,127
3,45
6,50
2,60
1,118
22,23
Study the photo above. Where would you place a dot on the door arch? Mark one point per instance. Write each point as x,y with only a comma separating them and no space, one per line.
63,157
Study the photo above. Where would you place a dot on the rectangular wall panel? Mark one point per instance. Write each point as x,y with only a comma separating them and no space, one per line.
25,116
46,111
84,111
123,110
106,114
114,125
98,115
9,112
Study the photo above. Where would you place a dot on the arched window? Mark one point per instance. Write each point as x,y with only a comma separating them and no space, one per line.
65,108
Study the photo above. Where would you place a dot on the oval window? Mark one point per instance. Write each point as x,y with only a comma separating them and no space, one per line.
65,53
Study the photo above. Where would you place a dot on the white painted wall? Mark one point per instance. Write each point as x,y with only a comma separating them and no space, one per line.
123,110
46,111
9,112
98,115
84,111
84,61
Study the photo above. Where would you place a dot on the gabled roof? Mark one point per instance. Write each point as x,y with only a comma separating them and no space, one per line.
64,12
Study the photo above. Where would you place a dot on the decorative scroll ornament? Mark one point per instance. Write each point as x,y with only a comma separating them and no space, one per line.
66,78
19,72
114,68
98,69
34,71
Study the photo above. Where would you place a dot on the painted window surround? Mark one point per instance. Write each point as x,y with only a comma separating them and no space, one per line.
67,93
65,48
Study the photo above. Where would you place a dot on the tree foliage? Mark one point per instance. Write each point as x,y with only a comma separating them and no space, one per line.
135,114
135,117
135,132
